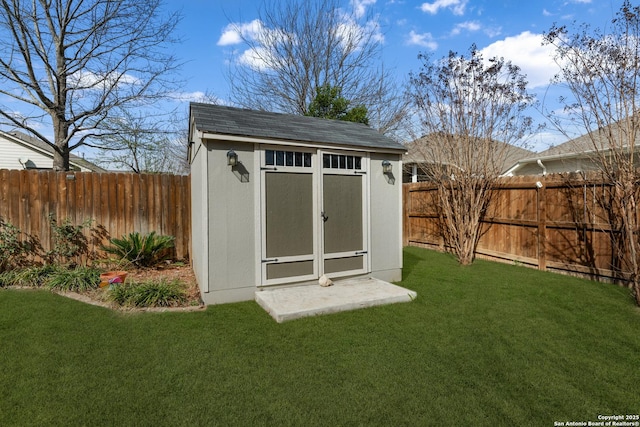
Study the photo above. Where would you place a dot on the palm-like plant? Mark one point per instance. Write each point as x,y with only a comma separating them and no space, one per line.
141,250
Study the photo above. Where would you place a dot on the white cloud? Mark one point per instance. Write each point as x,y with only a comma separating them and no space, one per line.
188,96
351,33
424,40
493,32
260,40
89,80
360,6
526,51
456,6
234,33
255,58
468,26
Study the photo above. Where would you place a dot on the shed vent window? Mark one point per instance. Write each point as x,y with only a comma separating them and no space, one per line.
339,161
287,158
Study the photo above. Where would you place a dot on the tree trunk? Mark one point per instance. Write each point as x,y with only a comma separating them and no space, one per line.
61,152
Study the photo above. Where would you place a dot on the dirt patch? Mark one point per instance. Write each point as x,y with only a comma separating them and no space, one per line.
168,272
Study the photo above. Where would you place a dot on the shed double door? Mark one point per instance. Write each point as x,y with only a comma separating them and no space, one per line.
313,207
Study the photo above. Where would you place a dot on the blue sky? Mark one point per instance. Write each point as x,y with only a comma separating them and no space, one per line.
508,28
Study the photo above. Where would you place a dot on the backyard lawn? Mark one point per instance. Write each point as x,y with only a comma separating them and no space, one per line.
490,344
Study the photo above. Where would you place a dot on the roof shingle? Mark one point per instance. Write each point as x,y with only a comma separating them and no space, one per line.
225,120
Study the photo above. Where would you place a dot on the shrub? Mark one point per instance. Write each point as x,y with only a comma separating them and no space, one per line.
154,293
11,247
69,241
28,277
78,279
141,250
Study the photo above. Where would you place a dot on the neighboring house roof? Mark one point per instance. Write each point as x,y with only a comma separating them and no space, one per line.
42,148
578,151
417,154
222,120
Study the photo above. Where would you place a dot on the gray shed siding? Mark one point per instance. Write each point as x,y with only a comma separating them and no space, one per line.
232,222
199,212
386,219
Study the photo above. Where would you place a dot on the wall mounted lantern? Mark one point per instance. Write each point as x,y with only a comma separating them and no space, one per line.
386,167
232,158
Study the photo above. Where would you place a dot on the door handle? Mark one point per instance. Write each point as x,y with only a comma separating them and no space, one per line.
324,216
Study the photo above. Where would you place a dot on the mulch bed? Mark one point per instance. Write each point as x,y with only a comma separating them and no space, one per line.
168,272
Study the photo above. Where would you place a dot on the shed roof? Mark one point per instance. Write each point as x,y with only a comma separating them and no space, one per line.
223,120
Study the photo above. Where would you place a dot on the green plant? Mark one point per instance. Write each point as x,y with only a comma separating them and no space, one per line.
77,279
141,250
69,241
153,293
11,247
35,276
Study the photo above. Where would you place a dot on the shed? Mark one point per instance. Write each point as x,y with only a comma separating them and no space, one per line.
280,200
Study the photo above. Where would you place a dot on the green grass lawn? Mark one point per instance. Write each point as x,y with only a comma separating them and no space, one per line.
490,344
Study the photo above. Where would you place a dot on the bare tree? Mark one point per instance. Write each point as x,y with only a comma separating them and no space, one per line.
142,143
70,63
472,113
601,71
300,46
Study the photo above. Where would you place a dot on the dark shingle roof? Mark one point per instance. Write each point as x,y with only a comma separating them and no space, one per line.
263,124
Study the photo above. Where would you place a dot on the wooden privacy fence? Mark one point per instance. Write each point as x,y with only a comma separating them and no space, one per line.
552,223
116,204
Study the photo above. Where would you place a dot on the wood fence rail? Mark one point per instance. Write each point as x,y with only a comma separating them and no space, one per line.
551,223
116,204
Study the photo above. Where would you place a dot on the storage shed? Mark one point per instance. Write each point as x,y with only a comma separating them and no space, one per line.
280,200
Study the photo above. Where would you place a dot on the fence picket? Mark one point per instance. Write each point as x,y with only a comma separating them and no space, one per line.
118,203
558,226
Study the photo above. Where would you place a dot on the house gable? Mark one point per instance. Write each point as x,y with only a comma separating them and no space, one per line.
19,151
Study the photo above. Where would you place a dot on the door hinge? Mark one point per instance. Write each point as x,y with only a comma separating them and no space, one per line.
270,260
359,172
361,253
268,169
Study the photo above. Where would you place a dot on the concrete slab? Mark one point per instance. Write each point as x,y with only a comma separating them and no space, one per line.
302,301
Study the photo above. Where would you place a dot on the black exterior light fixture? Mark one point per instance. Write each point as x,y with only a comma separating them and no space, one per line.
386,167
232,158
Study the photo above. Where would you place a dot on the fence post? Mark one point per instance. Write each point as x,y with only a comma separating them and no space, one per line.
542,223
405,215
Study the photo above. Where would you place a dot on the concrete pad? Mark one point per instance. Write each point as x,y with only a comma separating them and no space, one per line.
302,301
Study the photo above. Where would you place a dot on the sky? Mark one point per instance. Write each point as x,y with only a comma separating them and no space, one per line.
508,28
210,43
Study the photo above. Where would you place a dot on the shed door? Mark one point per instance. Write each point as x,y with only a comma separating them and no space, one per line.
290,215
343,214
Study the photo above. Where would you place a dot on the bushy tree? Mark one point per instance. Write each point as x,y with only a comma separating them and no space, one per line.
601,71
330,104
472,114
